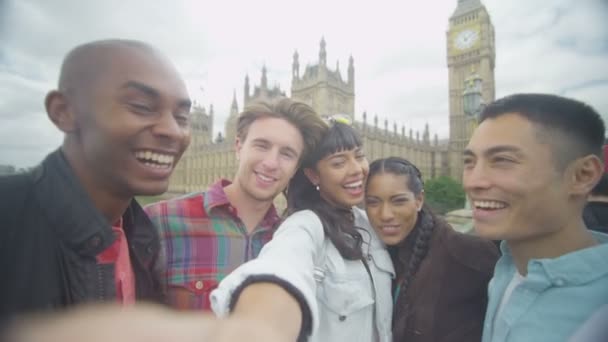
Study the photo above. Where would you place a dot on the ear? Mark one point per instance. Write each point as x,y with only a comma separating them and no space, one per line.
59,111
312,175
584,173
420,200
238,146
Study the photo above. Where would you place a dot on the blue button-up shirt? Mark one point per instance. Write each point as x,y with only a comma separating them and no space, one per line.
556,297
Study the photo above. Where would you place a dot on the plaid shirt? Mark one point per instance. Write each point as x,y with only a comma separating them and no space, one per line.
204,240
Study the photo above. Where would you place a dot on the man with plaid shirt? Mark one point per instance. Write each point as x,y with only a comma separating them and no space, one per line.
208,234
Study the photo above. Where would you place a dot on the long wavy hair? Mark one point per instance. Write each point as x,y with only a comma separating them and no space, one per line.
301,194
416,245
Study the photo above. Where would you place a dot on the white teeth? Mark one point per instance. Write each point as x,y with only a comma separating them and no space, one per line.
489,204
157,166
153,158
390,227
354,185
265,178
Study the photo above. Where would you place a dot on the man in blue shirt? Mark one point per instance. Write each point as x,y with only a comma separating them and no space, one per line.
528,169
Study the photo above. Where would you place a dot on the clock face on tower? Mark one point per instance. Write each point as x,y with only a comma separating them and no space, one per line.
465,39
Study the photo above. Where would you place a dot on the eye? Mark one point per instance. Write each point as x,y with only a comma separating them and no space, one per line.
182,119
141,108
370,202
260,146
468,162
400,201
502,160
288,154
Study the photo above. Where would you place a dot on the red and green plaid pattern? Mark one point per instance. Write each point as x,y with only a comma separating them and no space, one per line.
204,240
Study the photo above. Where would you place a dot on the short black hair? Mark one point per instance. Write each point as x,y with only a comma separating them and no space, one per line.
578,129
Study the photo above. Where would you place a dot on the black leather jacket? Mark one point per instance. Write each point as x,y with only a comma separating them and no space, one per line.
50,235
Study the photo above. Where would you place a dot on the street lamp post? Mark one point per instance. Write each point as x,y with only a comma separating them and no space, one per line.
471,96
472,103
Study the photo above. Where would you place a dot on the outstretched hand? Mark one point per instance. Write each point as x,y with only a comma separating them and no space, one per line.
141,323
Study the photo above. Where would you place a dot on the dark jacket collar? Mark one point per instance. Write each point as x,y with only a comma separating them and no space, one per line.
69,209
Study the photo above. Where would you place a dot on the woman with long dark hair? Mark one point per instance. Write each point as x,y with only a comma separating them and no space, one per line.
325,274
440,291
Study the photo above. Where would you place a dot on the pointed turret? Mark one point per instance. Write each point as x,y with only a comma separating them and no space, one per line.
246,91
295,66
351,71
235,106
322,53
264,81
466,6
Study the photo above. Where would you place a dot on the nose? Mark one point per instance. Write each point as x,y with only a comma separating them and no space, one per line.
475,178
356,167
385,212
271,159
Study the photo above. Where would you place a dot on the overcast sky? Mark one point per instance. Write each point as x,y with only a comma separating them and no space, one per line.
399,48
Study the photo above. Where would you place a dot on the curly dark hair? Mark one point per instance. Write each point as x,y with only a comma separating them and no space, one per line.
301,194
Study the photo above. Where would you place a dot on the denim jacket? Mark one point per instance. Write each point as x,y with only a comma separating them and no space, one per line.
338,297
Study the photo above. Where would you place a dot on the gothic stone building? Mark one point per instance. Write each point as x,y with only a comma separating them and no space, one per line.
470,46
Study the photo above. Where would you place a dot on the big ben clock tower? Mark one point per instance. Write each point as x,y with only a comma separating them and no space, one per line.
471,50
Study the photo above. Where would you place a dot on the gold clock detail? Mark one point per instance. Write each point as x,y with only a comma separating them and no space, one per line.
465,39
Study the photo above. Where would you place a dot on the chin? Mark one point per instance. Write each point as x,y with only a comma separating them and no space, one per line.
155,189
391,241
352,203
486,232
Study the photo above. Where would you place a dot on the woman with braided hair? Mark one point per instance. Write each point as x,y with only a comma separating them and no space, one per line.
441,275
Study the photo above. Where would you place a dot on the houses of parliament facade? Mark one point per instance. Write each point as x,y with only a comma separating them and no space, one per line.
470,55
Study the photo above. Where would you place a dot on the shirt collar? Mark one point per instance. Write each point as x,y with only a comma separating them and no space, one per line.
71,213
67,206
575,268
215,198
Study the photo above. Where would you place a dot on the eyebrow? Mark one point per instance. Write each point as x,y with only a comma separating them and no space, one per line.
338,155
392,197
493,150
151,92
267,142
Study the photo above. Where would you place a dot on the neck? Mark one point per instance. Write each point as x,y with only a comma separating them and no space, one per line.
566,240
110,204
338,206
251,211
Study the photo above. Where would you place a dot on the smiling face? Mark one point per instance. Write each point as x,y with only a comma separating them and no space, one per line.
131,123
511,178
341,177
392,208
268,157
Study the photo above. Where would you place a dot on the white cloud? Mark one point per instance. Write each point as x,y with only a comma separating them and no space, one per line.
399,50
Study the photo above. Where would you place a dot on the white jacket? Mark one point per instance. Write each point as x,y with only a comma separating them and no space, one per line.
342,303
